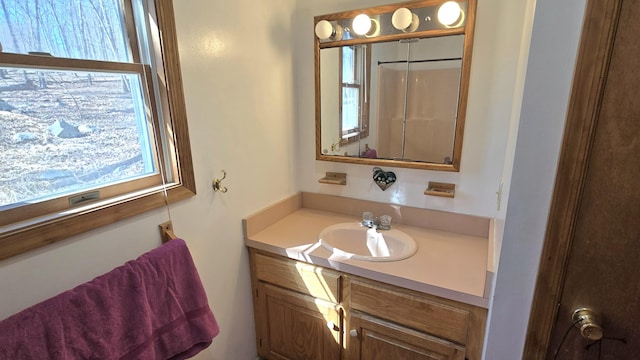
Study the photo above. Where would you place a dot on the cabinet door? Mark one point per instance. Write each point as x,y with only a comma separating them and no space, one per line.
374,339
296,326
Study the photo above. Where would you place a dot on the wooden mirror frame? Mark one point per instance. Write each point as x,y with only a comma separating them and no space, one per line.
466,30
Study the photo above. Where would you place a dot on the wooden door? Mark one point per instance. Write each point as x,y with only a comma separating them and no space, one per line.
298,327
374,339
592,248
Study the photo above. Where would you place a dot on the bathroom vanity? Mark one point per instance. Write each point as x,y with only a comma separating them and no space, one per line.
310,303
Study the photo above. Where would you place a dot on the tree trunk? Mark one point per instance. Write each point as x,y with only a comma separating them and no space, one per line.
10,25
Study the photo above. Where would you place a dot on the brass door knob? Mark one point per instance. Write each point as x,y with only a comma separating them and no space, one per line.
588,322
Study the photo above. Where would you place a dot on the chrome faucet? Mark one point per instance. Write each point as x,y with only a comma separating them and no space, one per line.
371,221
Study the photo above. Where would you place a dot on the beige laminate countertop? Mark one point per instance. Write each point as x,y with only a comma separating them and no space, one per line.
449,265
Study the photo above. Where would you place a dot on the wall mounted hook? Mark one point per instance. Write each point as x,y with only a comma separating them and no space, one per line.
217,184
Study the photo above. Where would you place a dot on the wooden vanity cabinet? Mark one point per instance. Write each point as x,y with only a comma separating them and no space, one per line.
306,312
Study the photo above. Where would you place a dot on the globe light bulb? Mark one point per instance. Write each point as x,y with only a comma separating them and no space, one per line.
361,24
449,13
403,19
324,31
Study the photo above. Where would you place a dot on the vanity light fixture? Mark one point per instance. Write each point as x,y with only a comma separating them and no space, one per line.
404,20
325,30
449,13
417,18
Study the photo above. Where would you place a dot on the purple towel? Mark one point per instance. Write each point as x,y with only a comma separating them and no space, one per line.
153,307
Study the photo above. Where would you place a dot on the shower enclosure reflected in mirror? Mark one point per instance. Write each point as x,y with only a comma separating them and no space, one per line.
393,97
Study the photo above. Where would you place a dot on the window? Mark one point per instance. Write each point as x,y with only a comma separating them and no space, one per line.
355,75
93,117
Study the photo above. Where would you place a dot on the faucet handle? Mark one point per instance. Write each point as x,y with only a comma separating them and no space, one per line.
385,222
368,219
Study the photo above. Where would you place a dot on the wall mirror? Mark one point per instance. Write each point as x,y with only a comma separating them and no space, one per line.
392,84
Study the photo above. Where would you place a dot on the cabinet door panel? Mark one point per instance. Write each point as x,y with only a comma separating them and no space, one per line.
380,340
298,326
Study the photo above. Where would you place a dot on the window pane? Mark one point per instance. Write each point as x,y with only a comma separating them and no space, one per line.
348,64
79,29
69,131
350,108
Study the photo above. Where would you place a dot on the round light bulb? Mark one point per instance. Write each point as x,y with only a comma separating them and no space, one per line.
324,31
361,24
449,13
403,19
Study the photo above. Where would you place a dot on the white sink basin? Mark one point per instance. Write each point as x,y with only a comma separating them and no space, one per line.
354,241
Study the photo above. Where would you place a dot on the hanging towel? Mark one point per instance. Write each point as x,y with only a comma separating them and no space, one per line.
153,307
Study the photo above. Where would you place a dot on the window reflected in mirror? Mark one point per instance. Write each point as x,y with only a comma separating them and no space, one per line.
355,94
